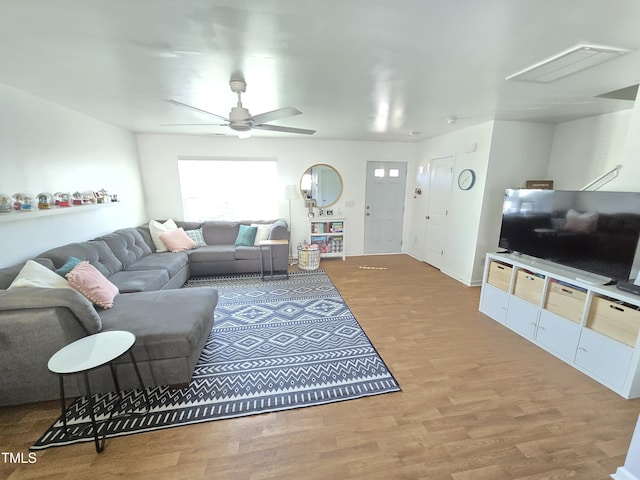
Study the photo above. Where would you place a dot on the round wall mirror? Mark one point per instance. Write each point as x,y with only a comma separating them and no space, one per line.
321,183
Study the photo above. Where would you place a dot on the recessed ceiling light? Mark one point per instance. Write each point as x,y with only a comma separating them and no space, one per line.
568,62
414,133
452,119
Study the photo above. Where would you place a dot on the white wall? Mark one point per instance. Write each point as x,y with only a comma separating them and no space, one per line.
629,178
503,154
159,156
48,148
586,148
519,152
470,147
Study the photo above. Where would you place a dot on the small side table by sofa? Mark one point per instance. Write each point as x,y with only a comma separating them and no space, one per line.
87,354
270,244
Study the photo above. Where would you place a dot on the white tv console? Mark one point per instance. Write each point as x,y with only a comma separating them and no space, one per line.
592,327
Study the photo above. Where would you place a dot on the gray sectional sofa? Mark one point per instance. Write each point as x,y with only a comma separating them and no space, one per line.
171,324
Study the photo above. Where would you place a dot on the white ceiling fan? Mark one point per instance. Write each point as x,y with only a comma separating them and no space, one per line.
241,121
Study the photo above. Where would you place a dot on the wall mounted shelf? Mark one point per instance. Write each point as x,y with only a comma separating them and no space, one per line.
19,215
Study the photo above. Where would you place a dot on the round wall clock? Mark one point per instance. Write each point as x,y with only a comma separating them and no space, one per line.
466,179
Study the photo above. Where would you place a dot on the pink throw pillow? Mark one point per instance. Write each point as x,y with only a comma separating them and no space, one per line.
88,280
177,241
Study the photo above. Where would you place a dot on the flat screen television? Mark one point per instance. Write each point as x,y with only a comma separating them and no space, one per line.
593,231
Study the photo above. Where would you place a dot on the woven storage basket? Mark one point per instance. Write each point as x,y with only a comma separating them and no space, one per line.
308,259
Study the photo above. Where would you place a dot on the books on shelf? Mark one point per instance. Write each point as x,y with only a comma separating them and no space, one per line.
327,227
328,244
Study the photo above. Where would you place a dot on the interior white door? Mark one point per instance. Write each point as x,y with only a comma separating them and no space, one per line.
384,209
439,196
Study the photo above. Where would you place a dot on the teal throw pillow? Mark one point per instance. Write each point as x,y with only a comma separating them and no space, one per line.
197,236
68,266
246,236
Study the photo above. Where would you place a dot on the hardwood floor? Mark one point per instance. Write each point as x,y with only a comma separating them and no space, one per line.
477,402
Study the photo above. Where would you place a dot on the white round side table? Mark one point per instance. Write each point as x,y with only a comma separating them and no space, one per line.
87,354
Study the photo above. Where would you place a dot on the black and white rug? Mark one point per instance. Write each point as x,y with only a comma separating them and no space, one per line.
275,345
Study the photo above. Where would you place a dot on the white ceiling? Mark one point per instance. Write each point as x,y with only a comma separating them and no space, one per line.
358,69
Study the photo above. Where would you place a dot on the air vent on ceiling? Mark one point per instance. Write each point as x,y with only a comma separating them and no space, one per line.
567,62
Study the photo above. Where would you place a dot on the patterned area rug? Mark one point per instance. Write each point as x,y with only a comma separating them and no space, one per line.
275,345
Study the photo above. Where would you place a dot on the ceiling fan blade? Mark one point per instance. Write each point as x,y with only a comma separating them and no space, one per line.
180,104
275,115
276,128
194,124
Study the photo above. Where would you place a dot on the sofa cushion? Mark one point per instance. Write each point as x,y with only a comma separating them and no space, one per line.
145,233
103,258
218,232
128,245
8,274
188,225
197,236
88,280
167,324
129,281
95,252
171,262
33,274
213,253
69,265
178,241
156,228
262,233
251,253
246,236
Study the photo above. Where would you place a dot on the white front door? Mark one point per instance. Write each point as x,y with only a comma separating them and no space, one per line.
384,209
439,195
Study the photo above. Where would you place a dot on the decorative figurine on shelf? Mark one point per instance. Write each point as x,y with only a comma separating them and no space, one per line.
62,199
114,197
88,198
102,196
5,203
44,201
77,198
22,201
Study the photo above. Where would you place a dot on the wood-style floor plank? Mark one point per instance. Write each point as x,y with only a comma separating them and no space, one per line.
477,402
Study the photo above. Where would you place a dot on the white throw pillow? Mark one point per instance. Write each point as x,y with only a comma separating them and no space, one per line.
262,233
33,274
157,229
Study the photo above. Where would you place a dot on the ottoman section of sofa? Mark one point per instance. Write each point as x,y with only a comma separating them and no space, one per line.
171,329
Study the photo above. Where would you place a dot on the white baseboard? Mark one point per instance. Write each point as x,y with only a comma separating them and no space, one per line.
624,474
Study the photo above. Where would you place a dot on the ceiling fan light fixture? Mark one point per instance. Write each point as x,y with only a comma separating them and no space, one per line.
244,134
239,127
568,62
